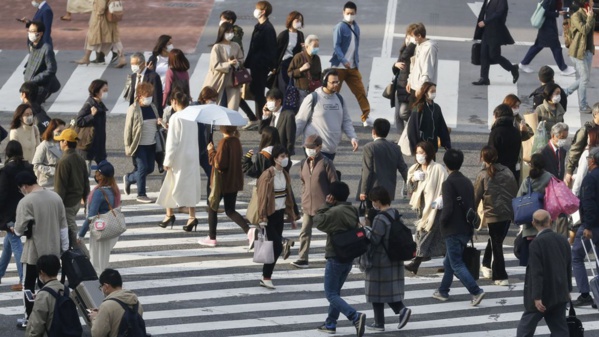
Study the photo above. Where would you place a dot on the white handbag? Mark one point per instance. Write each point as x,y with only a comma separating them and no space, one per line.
263,249
108,225
404,141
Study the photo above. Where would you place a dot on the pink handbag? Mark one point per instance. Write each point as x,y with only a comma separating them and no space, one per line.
559,199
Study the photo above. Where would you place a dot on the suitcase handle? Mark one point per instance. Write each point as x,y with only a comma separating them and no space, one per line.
587,253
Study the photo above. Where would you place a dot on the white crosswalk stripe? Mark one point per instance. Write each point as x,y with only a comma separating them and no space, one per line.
176,271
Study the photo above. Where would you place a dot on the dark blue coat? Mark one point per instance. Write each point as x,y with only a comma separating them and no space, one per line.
548,35
45,15
495,32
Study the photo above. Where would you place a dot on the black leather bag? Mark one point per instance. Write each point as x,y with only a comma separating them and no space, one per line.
77,267
350,244
574,324
471,257
475,56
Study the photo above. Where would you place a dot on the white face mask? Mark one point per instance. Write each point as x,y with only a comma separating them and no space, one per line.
556,99
221,22
431,95
349,17
412,39
170,47
516,111
146,101
104,95
284,162
420,158
32,36
35,4
297,25
311,152
229,36
561,142
135,68
271,105
257,13
28,120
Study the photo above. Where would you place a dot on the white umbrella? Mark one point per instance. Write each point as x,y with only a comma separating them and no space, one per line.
212,114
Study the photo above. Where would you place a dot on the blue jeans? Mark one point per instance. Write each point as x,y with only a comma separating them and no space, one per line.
454,264
12,245
335,274
578,258
583,74
144,156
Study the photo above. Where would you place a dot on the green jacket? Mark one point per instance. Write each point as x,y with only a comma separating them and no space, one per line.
332,219
581,31
71,179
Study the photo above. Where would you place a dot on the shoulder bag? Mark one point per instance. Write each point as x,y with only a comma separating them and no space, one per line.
159,137
312,84
108,225
538,17
471,215
292,96
252,213
524,206
216,187
350,244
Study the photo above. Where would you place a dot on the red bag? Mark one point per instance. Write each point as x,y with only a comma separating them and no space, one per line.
241,76
312,84
559,199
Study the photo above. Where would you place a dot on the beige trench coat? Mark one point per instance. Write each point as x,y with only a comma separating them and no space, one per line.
100,30
220,76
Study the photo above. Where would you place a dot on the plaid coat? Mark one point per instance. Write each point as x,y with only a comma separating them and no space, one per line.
384,278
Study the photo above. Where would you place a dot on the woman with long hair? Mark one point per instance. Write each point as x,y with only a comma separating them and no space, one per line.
275,199
426,121
48,153
158,61
551,111
182,184
425,179
514,102
495,186
225,58
23,130
177,76
101,199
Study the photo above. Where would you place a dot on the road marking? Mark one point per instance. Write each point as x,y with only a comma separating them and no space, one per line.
389,29
74,94
9,94
501,86
196,81
448,90
381,75
476,7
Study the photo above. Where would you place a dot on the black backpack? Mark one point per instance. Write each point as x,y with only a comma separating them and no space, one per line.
65,322
132,324
401,246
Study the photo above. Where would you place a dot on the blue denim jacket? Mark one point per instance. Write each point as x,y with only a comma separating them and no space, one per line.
341,39
97,206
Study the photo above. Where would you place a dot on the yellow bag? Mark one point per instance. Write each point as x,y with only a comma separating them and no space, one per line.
531,119
216,187
252,213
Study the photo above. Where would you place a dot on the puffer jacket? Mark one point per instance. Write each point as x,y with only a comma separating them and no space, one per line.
496,193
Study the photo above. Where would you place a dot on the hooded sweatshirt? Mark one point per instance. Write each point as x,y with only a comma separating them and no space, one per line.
110,313
424,65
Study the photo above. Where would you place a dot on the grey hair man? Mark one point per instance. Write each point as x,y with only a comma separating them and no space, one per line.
141,73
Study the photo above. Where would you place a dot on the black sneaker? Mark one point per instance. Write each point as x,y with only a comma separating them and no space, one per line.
404,317
583,301
360,323
325,328
375,327
301,264
287,244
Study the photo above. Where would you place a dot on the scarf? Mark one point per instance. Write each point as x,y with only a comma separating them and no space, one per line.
431,188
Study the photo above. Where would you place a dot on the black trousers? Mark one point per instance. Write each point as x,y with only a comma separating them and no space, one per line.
257,86
379,311
554,317
491,54
230,200
274,232
30,278
494,250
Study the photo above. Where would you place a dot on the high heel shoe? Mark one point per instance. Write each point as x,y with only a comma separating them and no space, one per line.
191,225
171,219
82,61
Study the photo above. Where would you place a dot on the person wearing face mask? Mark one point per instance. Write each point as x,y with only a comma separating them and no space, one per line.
275,199
506,139
317,173
141,124
426,121
546,76
225,58
526,131
305,67
41,65
158,61
29,92
93,115
23,131
425,179
346,45
41,218
283,120
401,71
425,66
47,154
551,111
45,15
10,195
182,183
261,57
289,43
141,73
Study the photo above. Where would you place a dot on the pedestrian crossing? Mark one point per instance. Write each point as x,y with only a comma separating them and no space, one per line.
461,109
189,289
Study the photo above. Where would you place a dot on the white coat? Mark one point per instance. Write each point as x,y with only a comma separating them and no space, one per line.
181,187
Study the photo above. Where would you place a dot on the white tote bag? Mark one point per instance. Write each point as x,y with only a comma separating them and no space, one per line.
538,17
404,141
263,249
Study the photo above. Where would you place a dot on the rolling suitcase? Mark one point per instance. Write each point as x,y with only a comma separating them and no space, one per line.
593,283
86,296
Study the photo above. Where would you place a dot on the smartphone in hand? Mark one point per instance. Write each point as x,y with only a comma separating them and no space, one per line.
29,295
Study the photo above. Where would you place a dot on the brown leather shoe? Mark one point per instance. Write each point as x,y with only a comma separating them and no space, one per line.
16,287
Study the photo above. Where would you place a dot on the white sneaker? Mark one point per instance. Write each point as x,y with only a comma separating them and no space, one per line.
569,71
503,283
251,125
525,68
267,284
487,272
368,122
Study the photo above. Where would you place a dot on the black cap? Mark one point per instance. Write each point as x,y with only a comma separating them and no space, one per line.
106,169
25,178
546,74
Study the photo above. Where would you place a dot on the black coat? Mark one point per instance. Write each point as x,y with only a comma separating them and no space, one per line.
551,161
9,191
151,77
495,31
507,140
548,35
283,41
401,76
262,53
453,216
97,151
441,130
286,127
